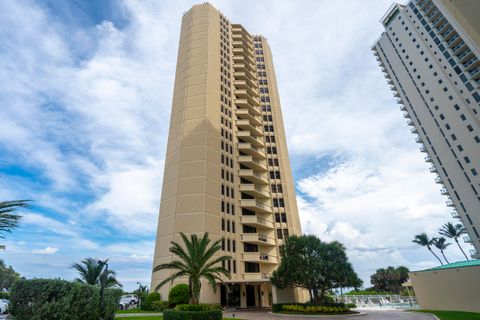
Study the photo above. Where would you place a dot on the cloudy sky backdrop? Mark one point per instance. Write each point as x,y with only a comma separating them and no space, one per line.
85,96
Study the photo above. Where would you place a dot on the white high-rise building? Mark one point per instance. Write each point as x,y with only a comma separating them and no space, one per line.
430,53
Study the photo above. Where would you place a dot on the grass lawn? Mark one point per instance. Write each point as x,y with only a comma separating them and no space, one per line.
453,315
134,311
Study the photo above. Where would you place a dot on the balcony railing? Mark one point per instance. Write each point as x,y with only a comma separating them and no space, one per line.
438,179
444,191
428,159
467,239
450,203
258,238
455,214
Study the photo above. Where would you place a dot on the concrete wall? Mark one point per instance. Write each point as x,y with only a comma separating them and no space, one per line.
448,289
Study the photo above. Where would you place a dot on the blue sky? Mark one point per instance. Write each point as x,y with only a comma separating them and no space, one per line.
85,93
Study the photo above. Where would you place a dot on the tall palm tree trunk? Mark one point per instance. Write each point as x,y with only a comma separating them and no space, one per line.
429,249
443,254
458,244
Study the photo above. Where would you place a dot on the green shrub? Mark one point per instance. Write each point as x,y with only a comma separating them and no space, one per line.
112,299
179,294
151,297
54,299
172,314
159,305
5,295
45,299
198,307
350,305
310,308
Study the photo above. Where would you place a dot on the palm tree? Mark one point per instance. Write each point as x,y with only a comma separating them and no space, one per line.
8,219
93,271
196,262
454,232
423,240
441,244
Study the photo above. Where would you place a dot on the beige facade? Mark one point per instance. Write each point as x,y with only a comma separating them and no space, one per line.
430,53
227,170
449,288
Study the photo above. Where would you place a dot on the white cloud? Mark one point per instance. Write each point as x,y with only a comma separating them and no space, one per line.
46,250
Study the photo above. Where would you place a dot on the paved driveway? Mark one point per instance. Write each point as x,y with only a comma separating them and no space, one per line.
369,315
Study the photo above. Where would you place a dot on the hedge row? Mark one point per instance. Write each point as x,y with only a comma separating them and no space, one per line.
55,299
313,309
172,314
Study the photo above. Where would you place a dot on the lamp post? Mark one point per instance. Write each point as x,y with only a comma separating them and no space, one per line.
103,283
138,295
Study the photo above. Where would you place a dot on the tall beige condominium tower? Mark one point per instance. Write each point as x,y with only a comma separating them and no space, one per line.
430,53
227,170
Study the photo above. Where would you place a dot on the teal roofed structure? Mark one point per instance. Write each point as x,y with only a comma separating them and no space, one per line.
455,265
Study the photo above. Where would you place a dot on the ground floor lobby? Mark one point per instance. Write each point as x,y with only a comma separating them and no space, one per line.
246,295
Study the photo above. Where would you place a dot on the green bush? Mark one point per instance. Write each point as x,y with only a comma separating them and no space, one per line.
112,299
350,305
172,314
310,308
54,299
159,305
5,295
179,294
151,297
198,307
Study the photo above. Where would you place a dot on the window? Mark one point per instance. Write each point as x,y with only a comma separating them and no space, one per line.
474,172
223,224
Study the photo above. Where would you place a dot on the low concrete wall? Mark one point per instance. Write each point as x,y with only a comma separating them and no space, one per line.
448,289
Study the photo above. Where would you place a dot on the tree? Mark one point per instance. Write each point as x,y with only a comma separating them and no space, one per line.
196,261
8,276
389,279
94,272
317,266
9,220
441,244
423,240
454,232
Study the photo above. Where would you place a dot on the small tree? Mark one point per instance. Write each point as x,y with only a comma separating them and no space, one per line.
317,266
423,240
454,232
441,244
8,276
196,261
389,279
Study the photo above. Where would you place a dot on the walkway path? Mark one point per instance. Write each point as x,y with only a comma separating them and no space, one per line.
369,315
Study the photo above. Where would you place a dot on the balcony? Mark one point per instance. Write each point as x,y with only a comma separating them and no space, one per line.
428,159
247,136
248,148
414,130
407,115
260,277
423,149
253,204
259,257
410,122
257,222
418,140
258,238
253,176
245,114
455,214
242,85
444,192
246,125
403,107
250,95
467,239
252,163
254,190
450,203
433,169
438,179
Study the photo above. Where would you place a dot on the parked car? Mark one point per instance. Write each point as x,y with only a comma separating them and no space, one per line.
127,301
3,306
